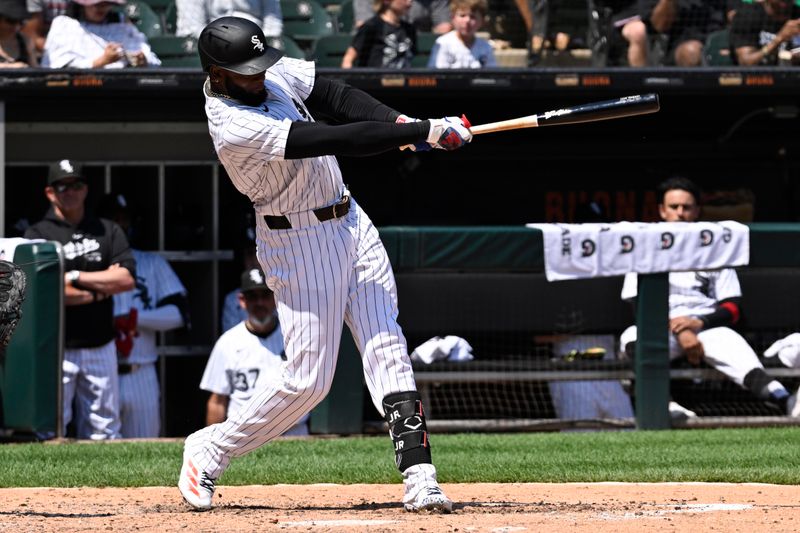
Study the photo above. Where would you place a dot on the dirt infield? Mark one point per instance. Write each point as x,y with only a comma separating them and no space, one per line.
618,507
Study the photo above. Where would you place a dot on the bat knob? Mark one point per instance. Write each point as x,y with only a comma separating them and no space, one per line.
465,121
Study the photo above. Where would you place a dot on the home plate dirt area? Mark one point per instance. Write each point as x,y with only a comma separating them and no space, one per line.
574,507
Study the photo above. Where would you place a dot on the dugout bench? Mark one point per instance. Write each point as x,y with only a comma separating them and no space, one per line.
487,285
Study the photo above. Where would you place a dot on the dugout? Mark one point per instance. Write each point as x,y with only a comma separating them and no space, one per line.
143,132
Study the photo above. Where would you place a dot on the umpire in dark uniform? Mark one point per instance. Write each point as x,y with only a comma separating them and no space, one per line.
98,263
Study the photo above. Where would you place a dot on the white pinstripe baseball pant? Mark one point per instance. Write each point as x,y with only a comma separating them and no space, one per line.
323,274
90,379
139,406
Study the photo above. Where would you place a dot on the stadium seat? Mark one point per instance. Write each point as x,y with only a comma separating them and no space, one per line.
717,51
144,18
171,18
305,21
288,45
345,17
328,50
425,43
175,51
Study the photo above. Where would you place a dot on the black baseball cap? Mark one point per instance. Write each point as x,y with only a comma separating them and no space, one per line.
14,10
252,280
236,44
64,169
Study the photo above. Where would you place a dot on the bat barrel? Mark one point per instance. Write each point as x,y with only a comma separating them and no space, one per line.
627,106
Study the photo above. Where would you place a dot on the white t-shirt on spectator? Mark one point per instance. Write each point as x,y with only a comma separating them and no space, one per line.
76,44
193,15
449,51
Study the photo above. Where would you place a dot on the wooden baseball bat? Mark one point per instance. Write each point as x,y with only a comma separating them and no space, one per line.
627,106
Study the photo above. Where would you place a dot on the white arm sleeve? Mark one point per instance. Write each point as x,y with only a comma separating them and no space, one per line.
161,318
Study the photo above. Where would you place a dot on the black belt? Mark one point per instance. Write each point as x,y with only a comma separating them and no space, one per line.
337,210
127,368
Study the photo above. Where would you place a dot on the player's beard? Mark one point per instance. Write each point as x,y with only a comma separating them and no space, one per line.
262,323
247,98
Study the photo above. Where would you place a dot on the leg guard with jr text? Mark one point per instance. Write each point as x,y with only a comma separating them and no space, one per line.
407,428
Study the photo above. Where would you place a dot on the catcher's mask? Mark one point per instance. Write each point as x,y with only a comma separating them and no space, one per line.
236,44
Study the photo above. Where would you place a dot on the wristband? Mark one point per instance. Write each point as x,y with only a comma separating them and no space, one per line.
73,276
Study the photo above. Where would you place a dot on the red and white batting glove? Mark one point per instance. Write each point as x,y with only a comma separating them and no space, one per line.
448,133
421,146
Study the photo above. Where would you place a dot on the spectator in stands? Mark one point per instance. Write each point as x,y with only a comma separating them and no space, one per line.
764,31
193,15
704,307
232,311
627,23
685,24
428,16
42,13
16,50
548,30
92,35
249,357
461,48
98,264
385,40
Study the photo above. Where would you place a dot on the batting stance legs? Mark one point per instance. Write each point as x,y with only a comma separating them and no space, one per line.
324,274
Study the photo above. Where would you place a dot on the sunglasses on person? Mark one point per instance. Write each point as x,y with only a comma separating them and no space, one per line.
61,186
10,20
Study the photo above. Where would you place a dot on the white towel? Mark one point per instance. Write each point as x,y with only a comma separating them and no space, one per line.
573,251
449,348
8,246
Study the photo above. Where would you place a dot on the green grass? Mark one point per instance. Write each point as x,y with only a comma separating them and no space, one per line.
767,455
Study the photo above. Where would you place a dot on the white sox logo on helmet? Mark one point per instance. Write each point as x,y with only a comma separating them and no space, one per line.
257,44
256,277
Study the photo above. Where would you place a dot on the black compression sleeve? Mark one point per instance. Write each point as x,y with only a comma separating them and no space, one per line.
311,139
346,103
728,313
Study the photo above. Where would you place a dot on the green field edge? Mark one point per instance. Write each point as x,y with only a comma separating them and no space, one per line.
752,455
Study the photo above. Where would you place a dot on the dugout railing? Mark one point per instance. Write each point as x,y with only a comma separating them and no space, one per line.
487,283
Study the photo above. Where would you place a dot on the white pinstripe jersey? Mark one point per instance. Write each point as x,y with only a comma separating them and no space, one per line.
155,280
692,293
251,143
242,364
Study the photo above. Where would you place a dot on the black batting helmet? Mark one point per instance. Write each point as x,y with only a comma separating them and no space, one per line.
236,44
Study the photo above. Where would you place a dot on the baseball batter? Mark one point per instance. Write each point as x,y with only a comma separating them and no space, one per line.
703,307
248,356
318,249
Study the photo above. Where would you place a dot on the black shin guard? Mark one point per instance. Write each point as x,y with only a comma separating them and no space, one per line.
407,428
756,381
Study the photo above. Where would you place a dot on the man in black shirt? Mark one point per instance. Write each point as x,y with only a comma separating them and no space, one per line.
761,31
98,264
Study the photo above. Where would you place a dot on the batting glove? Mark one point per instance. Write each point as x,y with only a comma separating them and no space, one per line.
787,349
421,146
448,133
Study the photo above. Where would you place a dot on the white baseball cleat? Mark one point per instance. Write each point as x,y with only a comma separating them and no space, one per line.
431,499
679,412
196,487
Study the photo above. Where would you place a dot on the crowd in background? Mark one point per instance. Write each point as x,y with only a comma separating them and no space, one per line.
455,34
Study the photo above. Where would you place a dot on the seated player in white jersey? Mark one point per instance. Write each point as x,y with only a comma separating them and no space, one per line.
320,252
248,356
704,306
